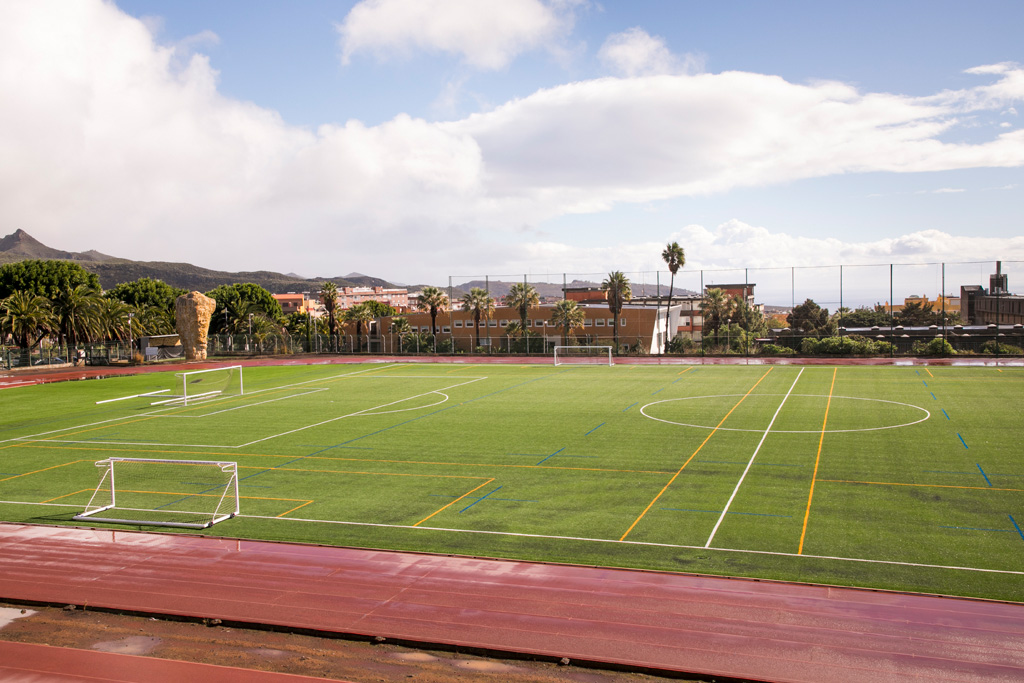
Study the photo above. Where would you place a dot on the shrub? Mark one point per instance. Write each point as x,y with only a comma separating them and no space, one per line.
934,347
775,350
1000,348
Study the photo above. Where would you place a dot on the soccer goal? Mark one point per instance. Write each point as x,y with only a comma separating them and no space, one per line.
194,494
583,355
198,385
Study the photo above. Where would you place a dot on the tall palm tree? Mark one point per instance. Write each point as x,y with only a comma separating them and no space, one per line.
329,298
360,315
480,304
26,317
675,258
402,328
569,316
616,288
435,301
520,297
115,320
77,312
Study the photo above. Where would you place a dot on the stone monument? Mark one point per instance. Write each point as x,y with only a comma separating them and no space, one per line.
192,315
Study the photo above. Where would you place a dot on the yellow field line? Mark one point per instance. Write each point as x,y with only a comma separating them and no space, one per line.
67,495
817,459
937,486
454,501
382,474
929,372
321,457
686,370
25,474
295,508
680,470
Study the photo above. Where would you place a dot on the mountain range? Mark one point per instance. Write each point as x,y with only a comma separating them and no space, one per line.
20,246
112,270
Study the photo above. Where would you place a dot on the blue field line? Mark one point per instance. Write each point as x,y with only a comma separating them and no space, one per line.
477,501
1016,526
983,474
730,512
552,455
933,396
974,528
506,500
629,406
594,429
924,382
962,440
658,391
917,372
945,413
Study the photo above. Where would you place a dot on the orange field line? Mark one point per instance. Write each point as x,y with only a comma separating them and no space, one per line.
680,470
454,501
295,508
937,486
817,459
25,474
381,474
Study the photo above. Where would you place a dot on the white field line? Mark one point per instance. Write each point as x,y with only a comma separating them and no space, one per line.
751,461
638,543
358,412
247,405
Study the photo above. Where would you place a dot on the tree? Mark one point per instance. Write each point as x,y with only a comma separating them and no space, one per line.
714,309
379,309
116,321
360,314
809,318
520,297
617,289
434,301
145,292
402,327
675,258
250,296
917,313
864,317
26,317
481,305
569,316
44,277
329,298
77,312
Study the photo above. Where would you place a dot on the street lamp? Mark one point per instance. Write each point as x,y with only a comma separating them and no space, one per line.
131,338
728,344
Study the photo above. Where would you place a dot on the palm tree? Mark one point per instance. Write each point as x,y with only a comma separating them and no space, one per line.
329,298
359,315
433,300
617,289
481,305
401,327
76,312
714,308
26,317
569,316
520,297
675,258
115,320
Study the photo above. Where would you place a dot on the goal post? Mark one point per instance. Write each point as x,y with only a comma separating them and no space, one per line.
583,355
197,385
193,494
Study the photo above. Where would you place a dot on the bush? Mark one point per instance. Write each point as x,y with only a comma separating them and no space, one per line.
853,345
934,347
999,348
680,344
775,350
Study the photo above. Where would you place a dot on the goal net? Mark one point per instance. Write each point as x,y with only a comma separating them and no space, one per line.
198,385
194,494
583,355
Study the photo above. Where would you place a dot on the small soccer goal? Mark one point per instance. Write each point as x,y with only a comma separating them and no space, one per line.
198,385
583,355
193,494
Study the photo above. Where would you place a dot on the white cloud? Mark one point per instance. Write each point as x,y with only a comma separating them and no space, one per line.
486,34
636,53
114,142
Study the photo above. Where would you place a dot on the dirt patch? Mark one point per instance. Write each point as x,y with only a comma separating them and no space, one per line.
329,658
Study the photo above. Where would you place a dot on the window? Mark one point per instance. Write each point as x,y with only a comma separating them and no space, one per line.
622,322
492,323
538,323
599,322
458,323
504,323
588,323
446,329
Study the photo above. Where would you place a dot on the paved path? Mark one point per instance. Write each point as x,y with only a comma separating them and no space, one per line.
672,622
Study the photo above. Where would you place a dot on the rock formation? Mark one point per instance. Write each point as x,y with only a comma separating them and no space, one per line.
192,314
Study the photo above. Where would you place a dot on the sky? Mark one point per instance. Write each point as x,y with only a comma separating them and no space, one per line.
422,140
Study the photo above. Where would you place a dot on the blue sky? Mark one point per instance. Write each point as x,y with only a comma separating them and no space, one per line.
420,139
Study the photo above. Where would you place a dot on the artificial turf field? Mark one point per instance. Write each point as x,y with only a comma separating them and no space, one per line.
898,477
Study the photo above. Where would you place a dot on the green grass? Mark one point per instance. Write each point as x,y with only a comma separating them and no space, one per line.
918,482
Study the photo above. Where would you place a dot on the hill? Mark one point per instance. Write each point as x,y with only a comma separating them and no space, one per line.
20,246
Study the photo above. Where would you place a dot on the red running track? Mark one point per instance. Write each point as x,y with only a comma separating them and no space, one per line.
670,622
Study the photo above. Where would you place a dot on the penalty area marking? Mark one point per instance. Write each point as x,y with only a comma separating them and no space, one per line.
789,431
